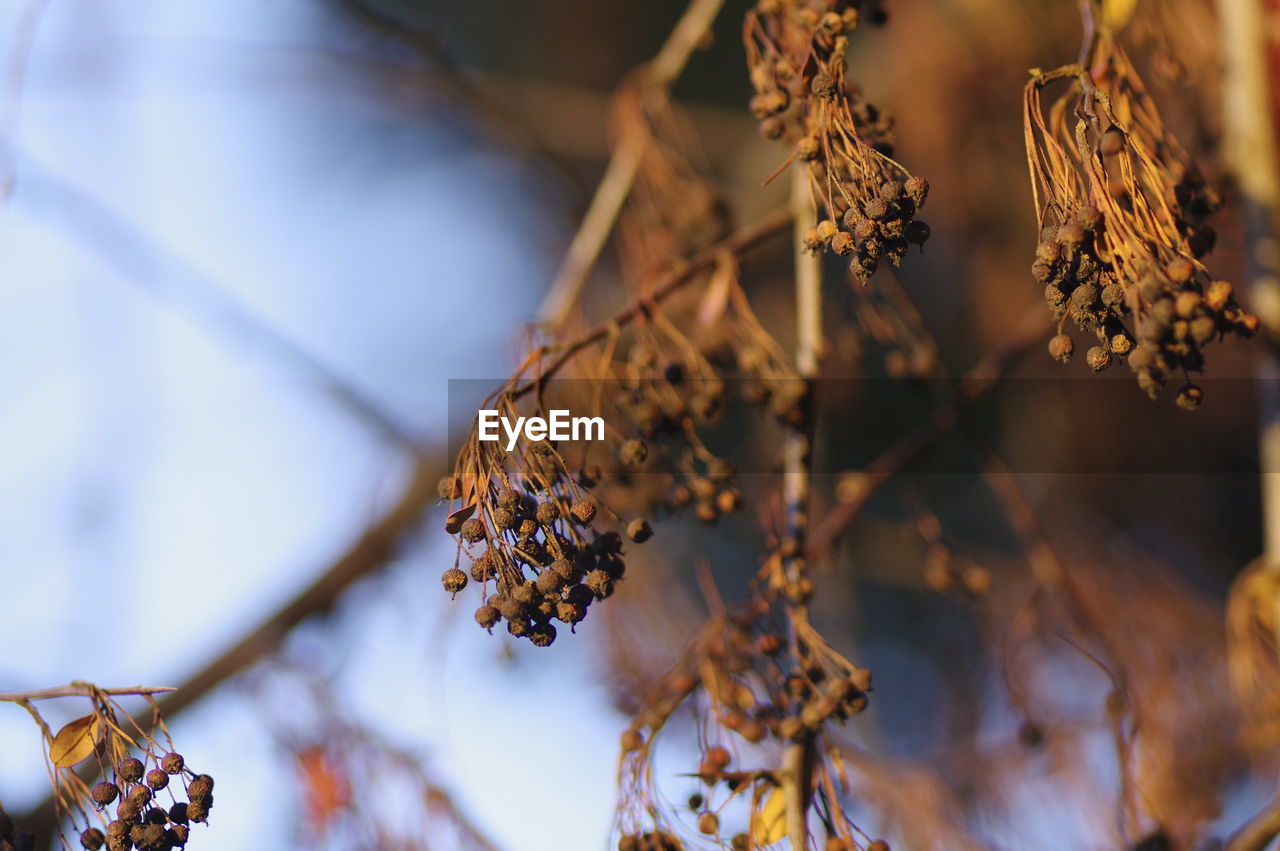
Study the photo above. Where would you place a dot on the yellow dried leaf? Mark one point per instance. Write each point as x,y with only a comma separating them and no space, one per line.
74,742
770,824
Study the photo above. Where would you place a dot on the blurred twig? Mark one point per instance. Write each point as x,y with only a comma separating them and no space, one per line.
371,551
980,380
145,264
24,39
1251,154
797,767
619,175
742,240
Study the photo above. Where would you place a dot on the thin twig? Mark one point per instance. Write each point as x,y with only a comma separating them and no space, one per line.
371,551
620,174
797,762
78,688
977,383
743,240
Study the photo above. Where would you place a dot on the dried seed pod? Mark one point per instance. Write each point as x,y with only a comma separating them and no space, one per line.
639,530
542,634
917,232
157,779
583,511
633,452
1189,397
1061,347
92,839
131,770
473,530
487,616
104,793
547,513
172,763
450,488
454,580
600,583
1098,358
917,189
709,824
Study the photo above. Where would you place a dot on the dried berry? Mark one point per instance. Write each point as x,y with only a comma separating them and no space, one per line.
104,793
157,779
131,770
639,530
1061,348
473,530
453,579
92,839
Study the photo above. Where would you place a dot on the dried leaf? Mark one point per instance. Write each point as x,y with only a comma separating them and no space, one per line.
770,824
716,296
453,523
74,742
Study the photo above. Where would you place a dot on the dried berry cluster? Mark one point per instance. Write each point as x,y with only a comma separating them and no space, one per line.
796,56
12,839
1122,233
665,406
530,535
142,821
753,685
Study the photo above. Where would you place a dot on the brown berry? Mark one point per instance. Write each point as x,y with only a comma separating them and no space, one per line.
1061,348
92,839
639,530
104,793
454,580
157,779
131,770
473,530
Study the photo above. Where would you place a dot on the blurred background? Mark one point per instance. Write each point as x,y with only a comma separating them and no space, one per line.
246,245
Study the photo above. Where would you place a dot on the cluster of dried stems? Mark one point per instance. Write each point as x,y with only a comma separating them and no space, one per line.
154,807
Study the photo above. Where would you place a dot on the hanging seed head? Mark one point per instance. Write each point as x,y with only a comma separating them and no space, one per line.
104,793
1180,271
1061,348
542,635
454,580
823,86
1098,358
157,779
509,498
917,189
473,530
200,787
139,795
547,513
503,519
917,232
172,763
1189,397
131,770
450,488
639,530
842,243
600,583
92,839
487,616
632,452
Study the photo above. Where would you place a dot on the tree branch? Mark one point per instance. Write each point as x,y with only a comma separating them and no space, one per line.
620,174
371,551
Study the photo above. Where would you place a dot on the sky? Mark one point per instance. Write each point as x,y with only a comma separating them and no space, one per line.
170,479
